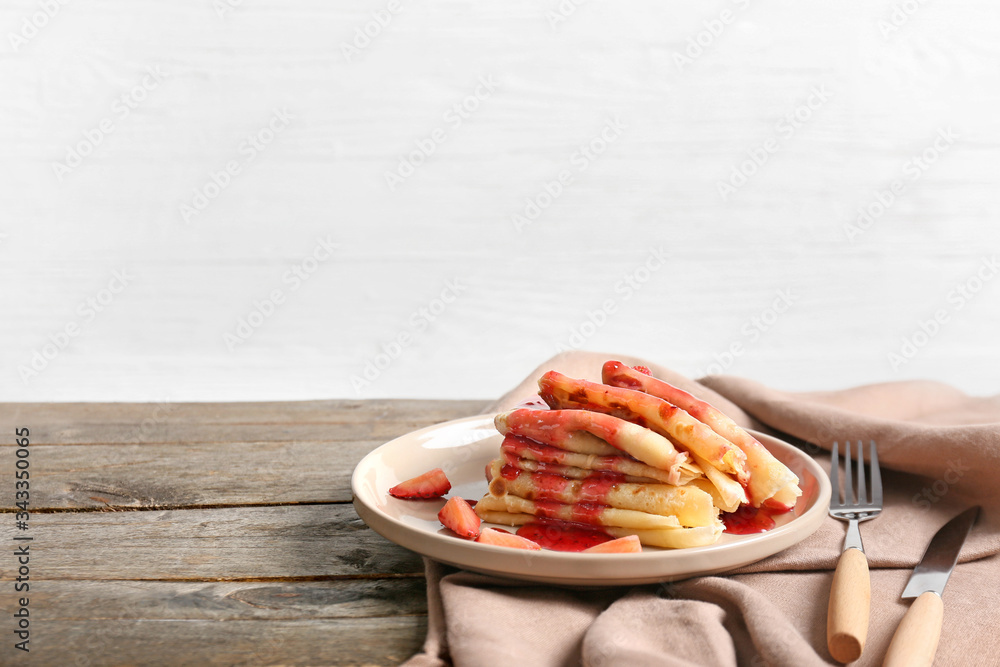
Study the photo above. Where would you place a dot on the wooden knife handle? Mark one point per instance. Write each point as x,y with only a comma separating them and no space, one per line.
850,604
916,638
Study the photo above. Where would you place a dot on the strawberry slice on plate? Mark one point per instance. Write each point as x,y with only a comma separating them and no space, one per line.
459,517
432,484
502,538
643,369
623,545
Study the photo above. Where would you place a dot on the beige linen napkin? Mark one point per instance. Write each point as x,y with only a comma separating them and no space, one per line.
940,453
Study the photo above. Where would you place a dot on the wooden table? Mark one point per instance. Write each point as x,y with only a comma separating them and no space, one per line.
214,534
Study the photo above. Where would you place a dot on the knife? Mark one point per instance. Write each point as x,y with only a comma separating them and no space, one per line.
916,638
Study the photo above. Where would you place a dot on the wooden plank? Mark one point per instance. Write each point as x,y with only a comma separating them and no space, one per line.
158,434
203,423
175,476
276,464
290,542
107,590
271,412
155,643
62,600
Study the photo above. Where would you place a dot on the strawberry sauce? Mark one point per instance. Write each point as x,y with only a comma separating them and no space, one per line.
509,472
563,535
747,520
595,488
556,426
514,447
550,487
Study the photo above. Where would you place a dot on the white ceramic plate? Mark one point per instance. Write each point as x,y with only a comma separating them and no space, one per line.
463,447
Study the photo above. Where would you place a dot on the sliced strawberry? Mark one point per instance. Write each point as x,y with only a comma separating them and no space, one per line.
623,545
643,369
459,517
431,484
502,538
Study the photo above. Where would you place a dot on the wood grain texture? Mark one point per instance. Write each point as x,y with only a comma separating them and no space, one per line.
298,541
347,642
352,622
167,422
76,600
129,456
290,413
849,607
262,559
312,623
916,639
175,476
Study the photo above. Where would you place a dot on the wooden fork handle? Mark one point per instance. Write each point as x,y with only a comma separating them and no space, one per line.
850,605
916,638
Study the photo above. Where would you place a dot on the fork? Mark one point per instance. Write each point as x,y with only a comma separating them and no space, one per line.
850,594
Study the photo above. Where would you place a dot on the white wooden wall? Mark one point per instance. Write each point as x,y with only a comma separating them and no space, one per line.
874,85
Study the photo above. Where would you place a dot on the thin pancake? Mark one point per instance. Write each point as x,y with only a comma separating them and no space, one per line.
562,392
691,505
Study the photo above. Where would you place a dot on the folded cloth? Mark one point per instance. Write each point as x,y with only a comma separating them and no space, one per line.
939,450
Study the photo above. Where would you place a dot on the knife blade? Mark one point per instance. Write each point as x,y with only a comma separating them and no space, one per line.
916,638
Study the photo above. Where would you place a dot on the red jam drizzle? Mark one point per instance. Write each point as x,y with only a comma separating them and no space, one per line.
533,403
563,535
509,472
587,512
549,468
561,424
748,520
554,531
595,488
550,486
548,509
515,447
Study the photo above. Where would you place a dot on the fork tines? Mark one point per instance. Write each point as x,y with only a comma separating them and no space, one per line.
848,498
